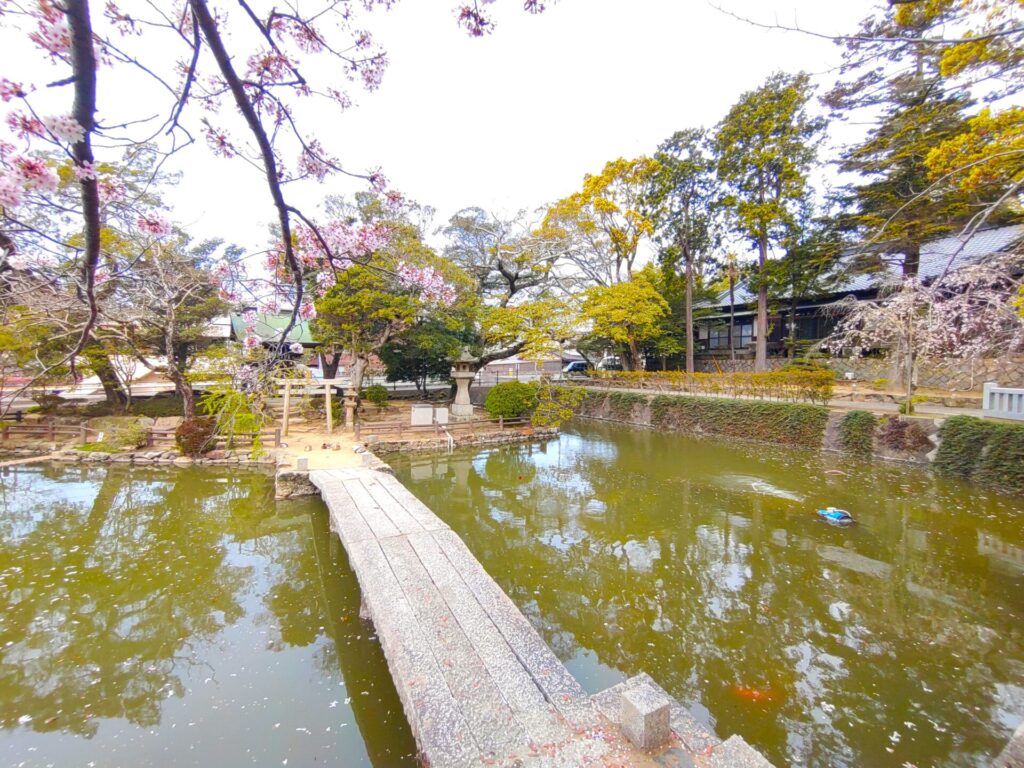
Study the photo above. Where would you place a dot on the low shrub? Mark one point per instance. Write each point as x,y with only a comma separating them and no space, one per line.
196,437
510,399
1002,465
963,442
986,452
880,384
903,435
378,395
796,424
48,404
857,433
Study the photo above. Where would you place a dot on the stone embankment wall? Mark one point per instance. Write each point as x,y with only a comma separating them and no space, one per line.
950,374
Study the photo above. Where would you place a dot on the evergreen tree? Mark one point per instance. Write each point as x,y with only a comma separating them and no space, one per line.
765,148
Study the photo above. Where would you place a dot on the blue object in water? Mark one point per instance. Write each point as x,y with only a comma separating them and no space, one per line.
836,516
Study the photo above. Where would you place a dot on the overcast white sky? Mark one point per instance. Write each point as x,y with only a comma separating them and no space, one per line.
515,119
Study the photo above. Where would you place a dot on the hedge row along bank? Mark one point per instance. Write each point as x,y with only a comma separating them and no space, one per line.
794,424
792,386
857,433
989,453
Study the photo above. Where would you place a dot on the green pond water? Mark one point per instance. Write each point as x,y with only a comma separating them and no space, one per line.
182,617
898,642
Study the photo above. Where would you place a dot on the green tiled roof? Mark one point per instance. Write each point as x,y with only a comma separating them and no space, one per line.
269,327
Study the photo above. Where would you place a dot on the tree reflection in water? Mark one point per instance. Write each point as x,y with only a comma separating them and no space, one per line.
190,606
702,563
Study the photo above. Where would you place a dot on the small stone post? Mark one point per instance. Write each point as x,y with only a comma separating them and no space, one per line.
463,372
645,715
287,399
350,409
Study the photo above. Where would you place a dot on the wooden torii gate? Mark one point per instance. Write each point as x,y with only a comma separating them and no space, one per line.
312,385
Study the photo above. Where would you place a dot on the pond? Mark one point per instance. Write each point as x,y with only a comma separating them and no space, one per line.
896,642
182,617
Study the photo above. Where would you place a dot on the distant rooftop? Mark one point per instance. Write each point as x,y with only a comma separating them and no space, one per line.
935,255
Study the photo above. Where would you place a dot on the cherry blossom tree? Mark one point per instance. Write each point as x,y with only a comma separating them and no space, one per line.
968,312
242,79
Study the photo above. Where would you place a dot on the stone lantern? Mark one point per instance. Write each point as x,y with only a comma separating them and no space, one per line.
463,372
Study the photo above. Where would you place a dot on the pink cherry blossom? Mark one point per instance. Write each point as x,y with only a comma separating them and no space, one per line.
25,126
52,34
307,311
10,90
11,192
154,225
431,284
251,342
34,174
65,128
84,171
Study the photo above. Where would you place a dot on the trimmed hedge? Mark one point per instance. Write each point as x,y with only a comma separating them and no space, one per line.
963,441
989,453
813,386
857,433
786,423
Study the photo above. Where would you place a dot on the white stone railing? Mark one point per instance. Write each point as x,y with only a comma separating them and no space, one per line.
1002,402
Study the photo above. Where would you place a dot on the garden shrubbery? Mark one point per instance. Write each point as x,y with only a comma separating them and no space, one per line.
196,437
857,433
378,395
987,452
511,399
797,384
903,435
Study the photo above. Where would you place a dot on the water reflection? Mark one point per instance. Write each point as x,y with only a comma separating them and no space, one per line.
897,641
179,618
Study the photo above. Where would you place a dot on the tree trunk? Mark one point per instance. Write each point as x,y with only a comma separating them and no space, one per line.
634,357
912,259
732,314
761,344
689,316
359,365
329,368
174,372
113,389
791,352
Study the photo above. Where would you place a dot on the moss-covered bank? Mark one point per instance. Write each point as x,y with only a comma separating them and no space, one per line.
794,424
989,453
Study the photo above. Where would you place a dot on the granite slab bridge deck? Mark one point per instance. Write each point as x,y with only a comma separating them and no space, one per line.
478,684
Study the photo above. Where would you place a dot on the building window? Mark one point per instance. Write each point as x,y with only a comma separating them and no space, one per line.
718,336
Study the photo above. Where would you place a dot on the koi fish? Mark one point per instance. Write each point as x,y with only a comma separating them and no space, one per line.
753,694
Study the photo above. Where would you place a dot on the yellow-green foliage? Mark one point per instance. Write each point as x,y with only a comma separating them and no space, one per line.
794,386
555,405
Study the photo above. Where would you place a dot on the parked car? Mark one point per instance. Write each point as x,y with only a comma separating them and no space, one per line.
576,368
610,364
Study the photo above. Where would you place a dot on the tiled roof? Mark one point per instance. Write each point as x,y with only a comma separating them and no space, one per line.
935,255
